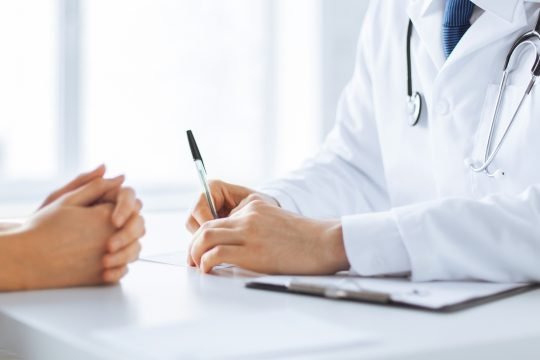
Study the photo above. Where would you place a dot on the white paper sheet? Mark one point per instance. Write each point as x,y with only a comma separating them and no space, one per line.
432,295
261,335
176,258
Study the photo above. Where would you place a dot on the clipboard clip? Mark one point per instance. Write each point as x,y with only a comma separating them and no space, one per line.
332,292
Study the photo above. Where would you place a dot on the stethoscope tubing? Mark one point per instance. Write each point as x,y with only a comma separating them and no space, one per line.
415,98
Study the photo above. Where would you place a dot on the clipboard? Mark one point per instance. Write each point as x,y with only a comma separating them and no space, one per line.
330,289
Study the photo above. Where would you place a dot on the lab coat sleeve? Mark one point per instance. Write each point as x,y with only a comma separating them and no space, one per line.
494,239
347,175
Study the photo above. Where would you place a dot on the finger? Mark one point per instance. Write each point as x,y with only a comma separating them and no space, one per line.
209,238
76,183
111,196
85,178
202,213
242,204
133,230
260,197
192,225
93,191
230,254
126,205
114,275
189,259
122,257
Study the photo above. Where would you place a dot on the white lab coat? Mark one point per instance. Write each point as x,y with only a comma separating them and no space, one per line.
406,200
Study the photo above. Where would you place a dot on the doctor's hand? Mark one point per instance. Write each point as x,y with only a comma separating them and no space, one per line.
228,199
265,238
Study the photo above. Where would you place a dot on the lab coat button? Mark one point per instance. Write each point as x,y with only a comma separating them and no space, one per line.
443,107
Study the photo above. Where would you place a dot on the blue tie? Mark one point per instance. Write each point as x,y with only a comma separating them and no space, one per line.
457,15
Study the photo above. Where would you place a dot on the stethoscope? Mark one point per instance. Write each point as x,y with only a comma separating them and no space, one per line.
414,100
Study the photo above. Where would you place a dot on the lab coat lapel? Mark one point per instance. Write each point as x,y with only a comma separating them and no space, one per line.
487,29
427,17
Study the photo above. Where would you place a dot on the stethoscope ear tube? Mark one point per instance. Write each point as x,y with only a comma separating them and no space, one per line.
414,101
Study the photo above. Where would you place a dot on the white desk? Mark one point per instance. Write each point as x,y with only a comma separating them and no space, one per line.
59,324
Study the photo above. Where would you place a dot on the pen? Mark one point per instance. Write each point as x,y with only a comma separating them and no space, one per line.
199,164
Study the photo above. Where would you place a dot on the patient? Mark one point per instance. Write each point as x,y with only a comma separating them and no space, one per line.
84,234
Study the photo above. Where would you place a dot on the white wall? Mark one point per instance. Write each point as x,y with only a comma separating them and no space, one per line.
340,28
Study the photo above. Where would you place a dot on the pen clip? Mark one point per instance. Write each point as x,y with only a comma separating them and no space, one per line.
337,293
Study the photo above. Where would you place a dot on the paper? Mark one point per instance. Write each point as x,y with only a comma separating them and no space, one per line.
177,258
246,336
432,295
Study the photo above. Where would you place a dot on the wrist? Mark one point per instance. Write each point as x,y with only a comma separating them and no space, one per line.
334,256
15,274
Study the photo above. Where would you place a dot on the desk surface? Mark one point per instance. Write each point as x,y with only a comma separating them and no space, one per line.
58,324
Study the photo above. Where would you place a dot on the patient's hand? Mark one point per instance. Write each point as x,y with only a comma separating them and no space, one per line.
72,240
123,198
124,243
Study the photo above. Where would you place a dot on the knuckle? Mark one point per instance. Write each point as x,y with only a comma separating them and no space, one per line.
215,184
207,236
205,226
250,220
206,258
218,251
257,203
252,197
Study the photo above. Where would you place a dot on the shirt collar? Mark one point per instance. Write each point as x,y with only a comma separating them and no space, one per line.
505,9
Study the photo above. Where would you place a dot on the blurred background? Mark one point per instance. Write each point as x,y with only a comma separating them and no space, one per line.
85,82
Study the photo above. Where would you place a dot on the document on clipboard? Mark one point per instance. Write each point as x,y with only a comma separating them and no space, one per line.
440,296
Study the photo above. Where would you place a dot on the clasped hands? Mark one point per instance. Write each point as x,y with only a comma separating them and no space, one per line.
85,233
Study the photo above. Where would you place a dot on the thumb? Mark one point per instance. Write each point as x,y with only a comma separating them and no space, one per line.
93,191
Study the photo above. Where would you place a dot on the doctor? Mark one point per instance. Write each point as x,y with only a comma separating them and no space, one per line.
385,197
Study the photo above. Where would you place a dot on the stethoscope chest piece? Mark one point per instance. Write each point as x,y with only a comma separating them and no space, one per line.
414,108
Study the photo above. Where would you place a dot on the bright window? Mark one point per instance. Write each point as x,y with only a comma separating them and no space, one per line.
119,82
28,91
153,69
